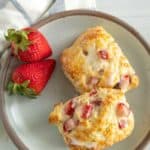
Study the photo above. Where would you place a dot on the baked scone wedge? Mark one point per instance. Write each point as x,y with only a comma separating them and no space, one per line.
94,120
96,60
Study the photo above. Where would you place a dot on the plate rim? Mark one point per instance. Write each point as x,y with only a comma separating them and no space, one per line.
10,131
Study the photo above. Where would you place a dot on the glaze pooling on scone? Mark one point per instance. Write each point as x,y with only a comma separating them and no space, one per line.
96,60
94,120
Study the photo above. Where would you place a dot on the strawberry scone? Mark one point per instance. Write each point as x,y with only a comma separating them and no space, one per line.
96,60
94,120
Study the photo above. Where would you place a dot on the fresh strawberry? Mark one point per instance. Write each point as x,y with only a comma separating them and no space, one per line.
30,79
28,44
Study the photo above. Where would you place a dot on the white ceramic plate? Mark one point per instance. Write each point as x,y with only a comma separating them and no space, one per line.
26,121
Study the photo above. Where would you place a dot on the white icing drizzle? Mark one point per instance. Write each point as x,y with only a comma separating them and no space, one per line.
81,143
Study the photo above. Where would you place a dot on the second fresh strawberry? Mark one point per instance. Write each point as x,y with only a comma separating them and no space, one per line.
28,45
30,79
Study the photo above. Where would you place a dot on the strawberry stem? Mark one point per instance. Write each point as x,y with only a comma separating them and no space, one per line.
19,39
21,89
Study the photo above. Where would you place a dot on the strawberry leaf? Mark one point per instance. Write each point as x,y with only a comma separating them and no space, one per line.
19,38
21,89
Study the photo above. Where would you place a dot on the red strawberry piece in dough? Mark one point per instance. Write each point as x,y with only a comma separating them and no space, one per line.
69,124
103,54
70,108
122,110
87,111
124,82
93,92
122,123
28,44
30,79
92,81
97,102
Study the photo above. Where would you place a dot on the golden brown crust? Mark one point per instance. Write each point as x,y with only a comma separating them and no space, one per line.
80,61
99,131
55,116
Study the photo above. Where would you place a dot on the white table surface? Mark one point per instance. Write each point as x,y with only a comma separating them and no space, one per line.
134,12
